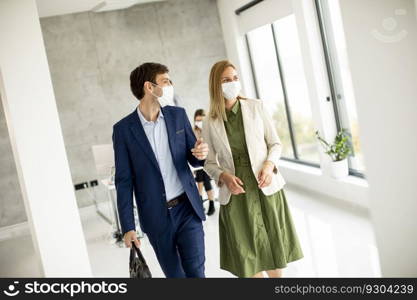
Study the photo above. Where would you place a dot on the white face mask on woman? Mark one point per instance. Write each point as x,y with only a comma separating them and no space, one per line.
199,124
167,97
231,89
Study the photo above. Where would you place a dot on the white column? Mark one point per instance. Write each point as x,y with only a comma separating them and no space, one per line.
381,38
37,143
235,43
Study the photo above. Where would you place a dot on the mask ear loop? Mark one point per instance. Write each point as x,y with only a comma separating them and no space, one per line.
157,86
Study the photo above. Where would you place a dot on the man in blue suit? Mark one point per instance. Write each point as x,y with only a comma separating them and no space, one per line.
153,146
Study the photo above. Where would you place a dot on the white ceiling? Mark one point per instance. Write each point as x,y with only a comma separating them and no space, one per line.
49,8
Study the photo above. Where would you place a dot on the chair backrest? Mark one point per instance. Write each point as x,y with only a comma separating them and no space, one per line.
104,159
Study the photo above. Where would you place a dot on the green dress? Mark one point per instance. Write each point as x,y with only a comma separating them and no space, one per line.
256,231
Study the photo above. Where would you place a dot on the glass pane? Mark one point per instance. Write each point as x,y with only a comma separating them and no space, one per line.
340,66
264,60
296,86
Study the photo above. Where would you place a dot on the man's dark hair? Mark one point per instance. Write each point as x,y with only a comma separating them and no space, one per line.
145,72
199,112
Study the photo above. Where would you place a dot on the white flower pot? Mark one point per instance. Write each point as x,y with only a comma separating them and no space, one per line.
339,169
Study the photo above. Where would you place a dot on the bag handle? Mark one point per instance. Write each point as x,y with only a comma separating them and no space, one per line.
138,252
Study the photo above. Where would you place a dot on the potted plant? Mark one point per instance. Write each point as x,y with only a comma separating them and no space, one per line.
338,151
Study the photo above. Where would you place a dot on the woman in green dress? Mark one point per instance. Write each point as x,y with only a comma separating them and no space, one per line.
256,230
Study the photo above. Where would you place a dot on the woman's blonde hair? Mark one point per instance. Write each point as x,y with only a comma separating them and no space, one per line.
217,100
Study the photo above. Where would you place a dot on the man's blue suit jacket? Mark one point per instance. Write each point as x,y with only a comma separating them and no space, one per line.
137,170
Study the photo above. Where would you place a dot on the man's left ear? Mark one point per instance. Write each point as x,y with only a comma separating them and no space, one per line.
146,86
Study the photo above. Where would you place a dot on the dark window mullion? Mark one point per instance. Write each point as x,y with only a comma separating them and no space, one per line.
284,92
332,79
328,62
330,70
247,6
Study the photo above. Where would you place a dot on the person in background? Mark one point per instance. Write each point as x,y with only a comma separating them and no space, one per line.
255,224
201,177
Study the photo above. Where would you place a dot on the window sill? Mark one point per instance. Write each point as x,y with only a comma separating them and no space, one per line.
350,179
300,167
354,180
351,189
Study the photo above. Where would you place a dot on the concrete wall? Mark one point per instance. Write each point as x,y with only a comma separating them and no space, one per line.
90,58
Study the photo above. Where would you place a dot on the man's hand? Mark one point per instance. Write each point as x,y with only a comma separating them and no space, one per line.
129,237
233,183
200,150
265,175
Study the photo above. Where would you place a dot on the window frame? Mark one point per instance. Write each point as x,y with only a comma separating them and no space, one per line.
330,70
296,158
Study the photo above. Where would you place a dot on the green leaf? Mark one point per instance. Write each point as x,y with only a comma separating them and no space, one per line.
340,148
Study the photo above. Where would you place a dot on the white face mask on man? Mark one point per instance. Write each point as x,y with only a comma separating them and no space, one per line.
167,97
231,89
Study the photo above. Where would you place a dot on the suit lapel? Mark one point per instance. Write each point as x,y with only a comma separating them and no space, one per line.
248,120
140,135
218,125
171,129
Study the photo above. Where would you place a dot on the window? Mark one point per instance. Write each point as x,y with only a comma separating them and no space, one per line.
280,81
268,82
331,26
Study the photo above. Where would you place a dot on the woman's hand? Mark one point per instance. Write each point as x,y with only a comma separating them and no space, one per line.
233,183
265,175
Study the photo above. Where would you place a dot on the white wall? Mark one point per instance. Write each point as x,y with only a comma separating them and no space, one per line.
37,143
385,83
235,42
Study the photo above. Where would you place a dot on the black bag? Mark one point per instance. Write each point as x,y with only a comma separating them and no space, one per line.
137,264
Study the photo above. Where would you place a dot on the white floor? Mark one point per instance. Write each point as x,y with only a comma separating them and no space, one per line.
337,241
